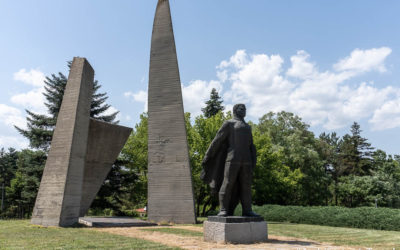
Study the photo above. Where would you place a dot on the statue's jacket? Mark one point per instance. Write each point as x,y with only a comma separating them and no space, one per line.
233,143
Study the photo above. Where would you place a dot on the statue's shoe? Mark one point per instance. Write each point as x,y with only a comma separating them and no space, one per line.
222,214
250,214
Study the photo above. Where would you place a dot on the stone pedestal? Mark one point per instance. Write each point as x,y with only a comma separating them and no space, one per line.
235,229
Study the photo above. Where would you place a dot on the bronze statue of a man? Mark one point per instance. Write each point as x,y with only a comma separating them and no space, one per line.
229,163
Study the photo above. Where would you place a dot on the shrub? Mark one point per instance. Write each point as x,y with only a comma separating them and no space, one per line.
361,217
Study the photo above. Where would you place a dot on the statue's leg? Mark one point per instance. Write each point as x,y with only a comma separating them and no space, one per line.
234,199
230,175
245,179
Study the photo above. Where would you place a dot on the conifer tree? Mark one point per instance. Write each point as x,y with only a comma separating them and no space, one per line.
355,153
40,127
214,105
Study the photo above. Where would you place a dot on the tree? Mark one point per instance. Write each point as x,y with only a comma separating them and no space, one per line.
40,127
274,182
328,148
214,105
24,187
8,167
290,136
355,153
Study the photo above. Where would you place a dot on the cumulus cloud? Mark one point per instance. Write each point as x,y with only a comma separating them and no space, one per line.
11,116
196,93
140,96
32,77
34,98
321,97
111,110
364,60
13,142
301,67
329,98
387,116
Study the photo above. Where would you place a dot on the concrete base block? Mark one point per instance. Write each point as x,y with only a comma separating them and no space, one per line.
238,233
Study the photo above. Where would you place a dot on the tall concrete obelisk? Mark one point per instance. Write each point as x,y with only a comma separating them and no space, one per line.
170,188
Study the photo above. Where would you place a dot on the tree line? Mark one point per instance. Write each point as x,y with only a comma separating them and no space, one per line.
294,166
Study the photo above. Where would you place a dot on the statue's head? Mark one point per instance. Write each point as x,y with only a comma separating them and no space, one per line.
239,110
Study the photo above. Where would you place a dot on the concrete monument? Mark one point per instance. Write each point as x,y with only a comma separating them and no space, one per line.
81,154
170,189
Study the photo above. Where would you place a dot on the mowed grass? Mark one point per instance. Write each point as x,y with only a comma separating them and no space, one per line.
19,234
178,231
340,236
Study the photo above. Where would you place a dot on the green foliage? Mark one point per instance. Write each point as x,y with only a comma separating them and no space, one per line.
355,153
361,217
200,135
21,194
214,105
299,166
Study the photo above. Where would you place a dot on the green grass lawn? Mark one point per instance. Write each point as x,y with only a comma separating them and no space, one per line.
19,234
338,235
177,231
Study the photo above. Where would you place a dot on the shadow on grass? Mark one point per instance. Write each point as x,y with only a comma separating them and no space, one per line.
291,242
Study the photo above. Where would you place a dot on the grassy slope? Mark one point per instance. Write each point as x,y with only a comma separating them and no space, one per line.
16,234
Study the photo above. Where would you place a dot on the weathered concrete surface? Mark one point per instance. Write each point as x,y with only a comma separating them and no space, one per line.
238,233
170,190
59,197
114,222
105,142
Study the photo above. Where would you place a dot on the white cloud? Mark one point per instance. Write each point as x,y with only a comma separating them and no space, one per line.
111,110
196,94
11,116
238,60
13,142
364,60
327,98
320,98
32,77
301,67
387,116
33,99
140,96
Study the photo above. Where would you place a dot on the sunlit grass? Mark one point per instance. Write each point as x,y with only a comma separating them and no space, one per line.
19,234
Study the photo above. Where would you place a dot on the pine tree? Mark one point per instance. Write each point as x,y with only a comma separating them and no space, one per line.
355,153
40,127
213,106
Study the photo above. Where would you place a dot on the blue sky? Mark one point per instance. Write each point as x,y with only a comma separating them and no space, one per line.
330,62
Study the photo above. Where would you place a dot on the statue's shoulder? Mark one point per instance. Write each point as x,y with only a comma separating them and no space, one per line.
228,123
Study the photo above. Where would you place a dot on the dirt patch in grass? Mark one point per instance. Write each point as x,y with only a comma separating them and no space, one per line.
191,242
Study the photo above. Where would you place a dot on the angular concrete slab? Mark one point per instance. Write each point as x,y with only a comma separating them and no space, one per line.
170,189
82,153
105,142
59,197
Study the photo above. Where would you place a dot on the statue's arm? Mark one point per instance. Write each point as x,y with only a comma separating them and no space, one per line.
218,140
253,152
